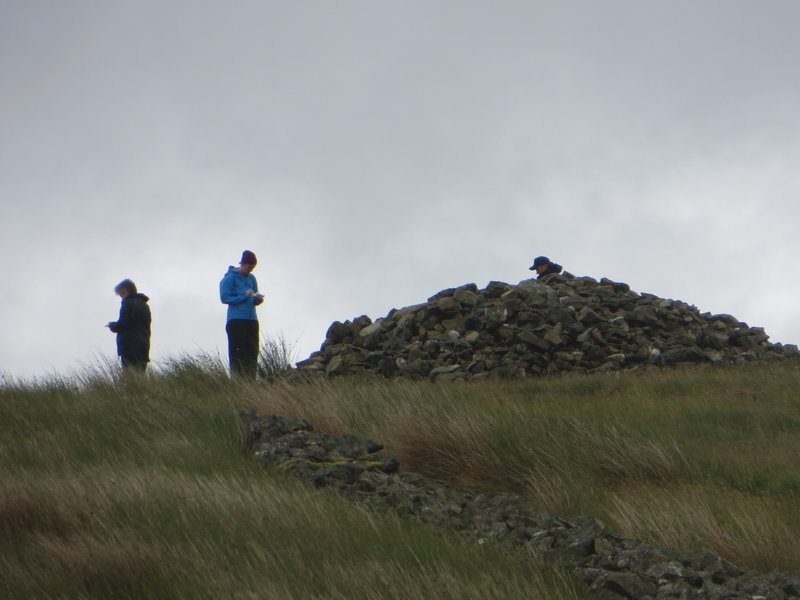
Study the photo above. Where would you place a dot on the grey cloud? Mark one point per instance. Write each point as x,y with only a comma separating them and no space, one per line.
374,153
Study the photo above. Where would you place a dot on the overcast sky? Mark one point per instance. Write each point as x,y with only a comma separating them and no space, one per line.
372,153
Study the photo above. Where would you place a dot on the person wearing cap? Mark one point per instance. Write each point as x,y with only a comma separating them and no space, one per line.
132,327
239,290
544,266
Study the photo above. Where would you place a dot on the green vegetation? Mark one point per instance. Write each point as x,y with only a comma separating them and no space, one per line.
275,357
140,487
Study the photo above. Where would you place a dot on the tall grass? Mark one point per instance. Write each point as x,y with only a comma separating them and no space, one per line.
139,487
275,357
701,458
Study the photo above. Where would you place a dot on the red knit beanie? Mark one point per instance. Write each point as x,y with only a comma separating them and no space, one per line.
248,258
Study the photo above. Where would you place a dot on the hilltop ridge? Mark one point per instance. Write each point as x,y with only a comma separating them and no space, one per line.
557,324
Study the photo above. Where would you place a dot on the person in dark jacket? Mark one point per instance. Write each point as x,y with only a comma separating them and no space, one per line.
544,266
133,327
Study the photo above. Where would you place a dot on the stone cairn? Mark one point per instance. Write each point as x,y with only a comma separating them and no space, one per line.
611,567
558,324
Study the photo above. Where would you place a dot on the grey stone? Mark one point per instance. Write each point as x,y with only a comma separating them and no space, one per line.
533,340
538,327
466,297
338,332
371,329
443,370
588,316
335,366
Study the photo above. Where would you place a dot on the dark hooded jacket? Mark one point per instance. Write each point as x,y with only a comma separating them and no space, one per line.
133,328
551,268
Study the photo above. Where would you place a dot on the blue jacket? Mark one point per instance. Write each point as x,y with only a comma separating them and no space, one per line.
232,291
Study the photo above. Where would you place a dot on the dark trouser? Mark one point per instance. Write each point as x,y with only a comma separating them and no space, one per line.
137,363
243,347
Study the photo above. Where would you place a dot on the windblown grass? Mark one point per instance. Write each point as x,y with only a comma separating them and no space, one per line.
139,487
698,458
275,357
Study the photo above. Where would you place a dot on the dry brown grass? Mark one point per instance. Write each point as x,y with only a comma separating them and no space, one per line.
548,488
746,530
625,456
455,450
586,445
70,538
145,516
704,459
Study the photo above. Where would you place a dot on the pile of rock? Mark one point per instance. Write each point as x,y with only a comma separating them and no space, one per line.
611,567
560,323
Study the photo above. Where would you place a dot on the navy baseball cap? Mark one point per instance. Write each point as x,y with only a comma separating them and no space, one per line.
539,261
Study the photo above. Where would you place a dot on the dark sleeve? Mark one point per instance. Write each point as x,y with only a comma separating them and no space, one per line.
124,318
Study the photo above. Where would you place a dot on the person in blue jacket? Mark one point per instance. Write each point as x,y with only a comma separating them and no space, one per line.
239,290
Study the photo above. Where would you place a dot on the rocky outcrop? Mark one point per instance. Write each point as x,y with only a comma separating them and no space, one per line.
613,568
558,324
